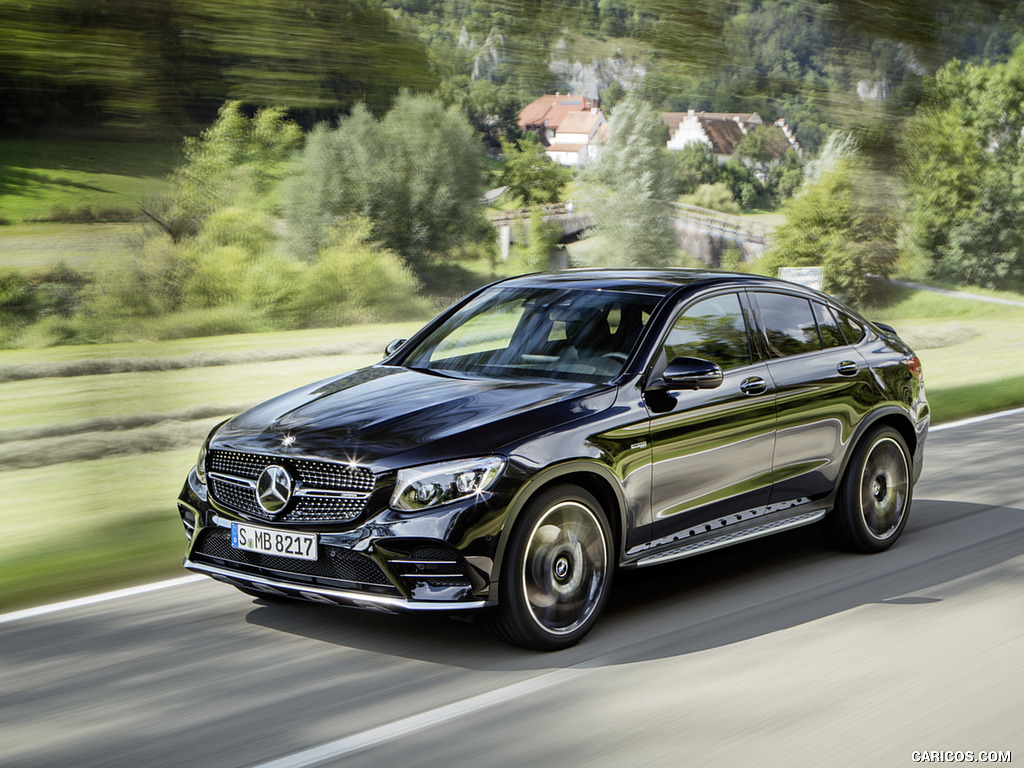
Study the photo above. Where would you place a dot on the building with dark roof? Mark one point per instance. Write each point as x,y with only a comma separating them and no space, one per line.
723,131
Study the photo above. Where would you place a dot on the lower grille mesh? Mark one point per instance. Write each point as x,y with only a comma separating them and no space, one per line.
335,565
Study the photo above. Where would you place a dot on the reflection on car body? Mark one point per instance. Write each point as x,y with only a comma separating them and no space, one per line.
548,430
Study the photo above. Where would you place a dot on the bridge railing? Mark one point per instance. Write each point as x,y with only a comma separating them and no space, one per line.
733,227
523,214
574,220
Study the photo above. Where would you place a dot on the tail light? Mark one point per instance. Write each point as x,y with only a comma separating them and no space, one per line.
914,366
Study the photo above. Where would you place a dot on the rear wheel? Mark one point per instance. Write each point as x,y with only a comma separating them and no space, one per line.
874,500
556,572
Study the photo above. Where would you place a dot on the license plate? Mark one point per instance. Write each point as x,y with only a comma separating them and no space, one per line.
301,546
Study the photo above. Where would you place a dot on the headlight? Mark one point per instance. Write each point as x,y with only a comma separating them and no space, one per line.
435,484
201,464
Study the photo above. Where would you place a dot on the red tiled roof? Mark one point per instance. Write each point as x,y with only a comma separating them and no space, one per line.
550,109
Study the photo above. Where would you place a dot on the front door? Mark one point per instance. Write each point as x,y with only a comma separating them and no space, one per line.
712,449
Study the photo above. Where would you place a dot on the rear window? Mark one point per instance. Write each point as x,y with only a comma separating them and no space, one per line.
853,330
831,334
789,324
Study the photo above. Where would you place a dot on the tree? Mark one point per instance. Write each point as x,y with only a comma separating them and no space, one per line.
846,220
693,166
530,174
963,163
236,157
630,190
417,174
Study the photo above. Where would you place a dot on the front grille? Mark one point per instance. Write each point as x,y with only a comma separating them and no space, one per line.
336,567
233,476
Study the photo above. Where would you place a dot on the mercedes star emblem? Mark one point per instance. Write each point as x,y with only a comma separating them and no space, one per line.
274,488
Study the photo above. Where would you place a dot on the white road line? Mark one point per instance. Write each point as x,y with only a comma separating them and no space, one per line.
976,420
42,610
370,738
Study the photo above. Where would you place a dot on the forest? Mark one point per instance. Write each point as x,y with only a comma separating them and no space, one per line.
333,153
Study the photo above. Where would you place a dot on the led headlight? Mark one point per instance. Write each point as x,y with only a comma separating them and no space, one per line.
201,464
435,484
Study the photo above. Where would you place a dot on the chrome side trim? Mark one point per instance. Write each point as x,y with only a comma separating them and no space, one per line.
332,596
733,537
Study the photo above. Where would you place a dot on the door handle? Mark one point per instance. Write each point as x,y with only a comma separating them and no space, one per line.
755,385
848,368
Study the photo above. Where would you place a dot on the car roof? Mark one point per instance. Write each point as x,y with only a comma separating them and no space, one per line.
659,282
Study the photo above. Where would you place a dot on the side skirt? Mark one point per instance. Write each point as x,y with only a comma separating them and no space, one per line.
720,540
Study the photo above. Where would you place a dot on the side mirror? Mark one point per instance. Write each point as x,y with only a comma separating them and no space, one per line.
393,347
692,373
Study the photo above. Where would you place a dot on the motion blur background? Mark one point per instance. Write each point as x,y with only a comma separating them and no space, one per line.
204,203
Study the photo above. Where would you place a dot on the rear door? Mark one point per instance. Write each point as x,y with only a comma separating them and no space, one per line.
823,389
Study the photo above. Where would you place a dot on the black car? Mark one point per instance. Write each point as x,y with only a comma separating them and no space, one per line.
549,429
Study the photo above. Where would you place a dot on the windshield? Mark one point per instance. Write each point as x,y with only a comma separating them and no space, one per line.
579,334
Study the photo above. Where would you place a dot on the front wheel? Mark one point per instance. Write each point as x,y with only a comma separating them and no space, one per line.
874,499
556,573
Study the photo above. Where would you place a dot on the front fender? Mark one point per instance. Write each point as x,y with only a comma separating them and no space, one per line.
581,472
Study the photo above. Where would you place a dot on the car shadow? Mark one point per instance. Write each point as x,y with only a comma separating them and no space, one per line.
697,604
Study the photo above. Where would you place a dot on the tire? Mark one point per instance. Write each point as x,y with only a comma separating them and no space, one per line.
874,498
557,571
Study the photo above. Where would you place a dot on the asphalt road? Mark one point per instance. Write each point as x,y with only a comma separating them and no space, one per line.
779,652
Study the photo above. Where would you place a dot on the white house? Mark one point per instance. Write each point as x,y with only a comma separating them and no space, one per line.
577,139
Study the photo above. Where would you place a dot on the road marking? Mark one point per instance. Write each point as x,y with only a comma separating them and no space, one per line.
374,736
42,610
976,420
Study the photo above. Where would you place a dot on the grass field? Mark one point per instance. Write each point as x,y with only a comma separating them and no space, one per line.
47,180
108,452
83,247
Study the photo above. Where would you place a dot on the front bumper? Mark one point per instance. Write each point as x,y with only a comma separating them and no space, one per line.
338,597
387,564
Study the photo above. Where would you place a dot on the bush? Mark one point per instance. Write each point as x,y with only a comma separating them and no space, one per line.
717,197
19,303
215,277
241,227
355,281
61,289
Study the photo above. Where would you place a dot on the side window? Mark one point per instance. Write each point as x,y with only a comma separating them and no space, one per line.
712,329
789,324
831,336
852,330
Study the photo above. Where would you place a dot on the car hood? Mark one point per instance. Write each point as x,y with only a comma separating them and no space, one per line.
385,416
